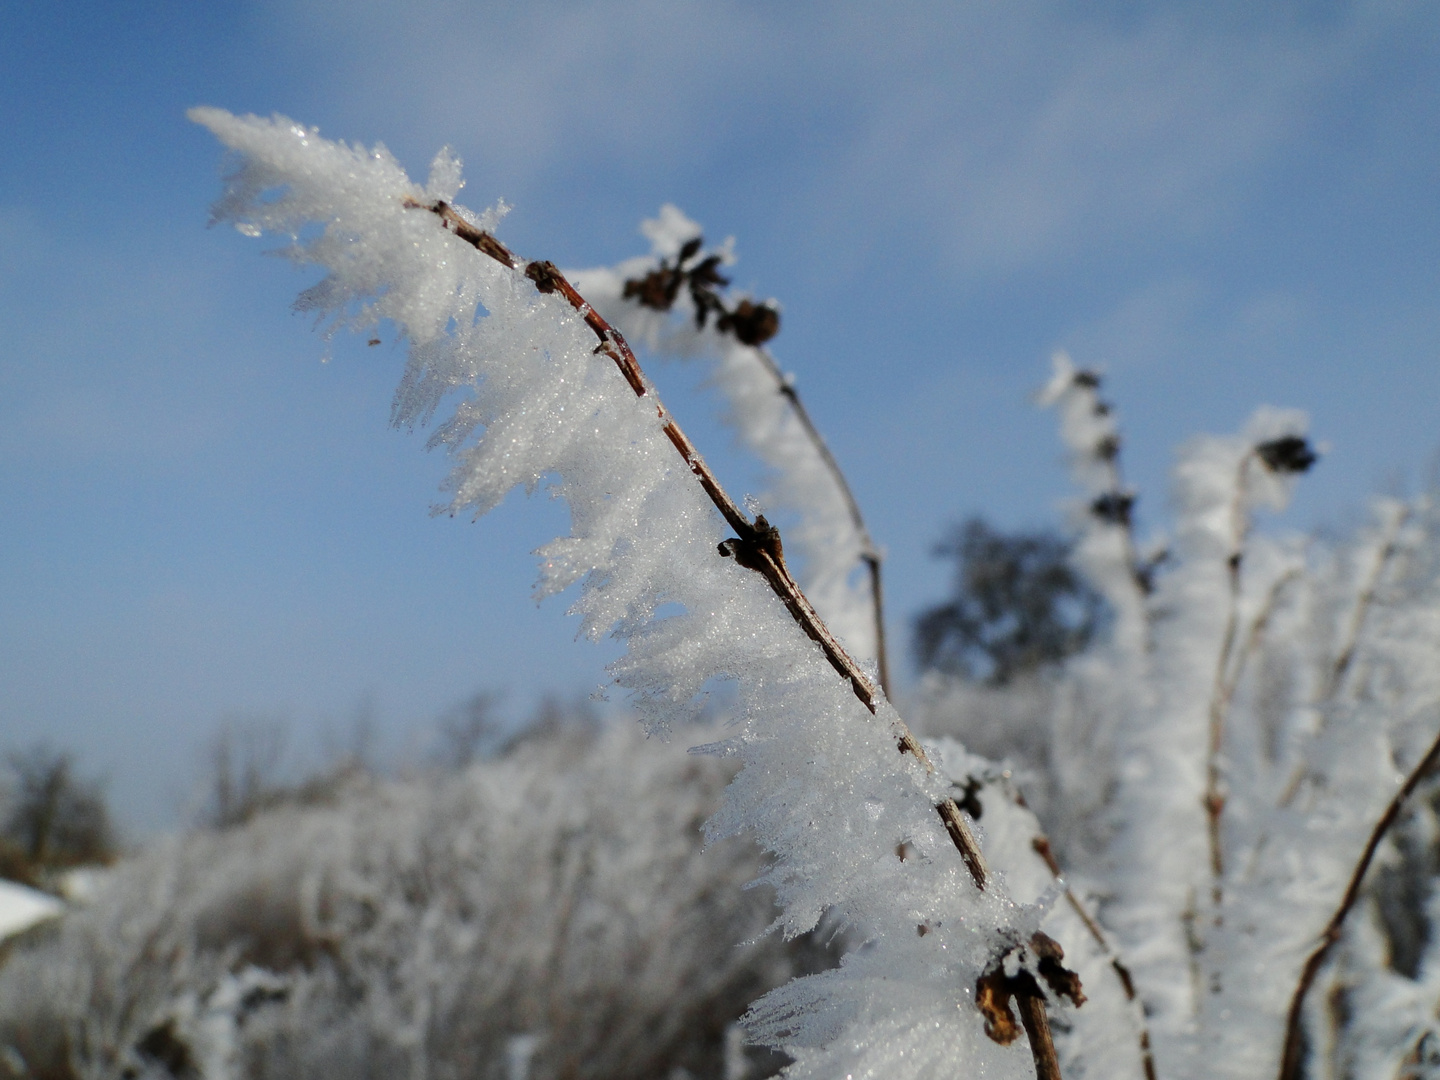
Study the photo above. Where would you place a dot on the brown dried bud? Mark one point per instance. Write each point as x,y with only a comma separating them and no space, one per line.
707,272
1062,981
993,992
691,247
656,289
1289,454
546,275
752,324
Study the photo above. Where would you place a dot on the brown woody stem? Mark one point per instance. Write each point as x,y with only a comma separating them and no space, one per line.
757,544
1037,1027
1292,1058
1041,845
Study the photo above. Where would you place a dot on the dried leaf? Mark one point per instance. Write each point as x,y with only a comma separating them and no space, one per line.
992,996
1062,981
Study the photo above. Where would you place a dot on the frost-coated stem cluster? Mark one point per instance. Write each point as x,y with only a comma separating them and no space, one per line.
828,532
851,823
1256,735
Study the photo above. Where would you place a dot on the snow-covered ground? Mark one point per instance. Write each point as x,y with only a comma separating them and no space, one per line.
21,908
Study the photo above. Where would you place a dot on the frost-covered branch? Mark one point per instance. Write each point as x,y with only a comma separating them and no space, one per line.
1283,456
1106,550
758,547
533,369
1396,518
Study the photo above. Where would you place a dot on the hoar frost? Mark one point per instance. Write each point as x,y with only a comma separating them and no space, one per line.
1212,771
821,786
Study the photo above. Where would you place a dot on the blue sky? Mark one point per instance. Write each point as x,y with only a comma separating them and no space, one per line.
1222,205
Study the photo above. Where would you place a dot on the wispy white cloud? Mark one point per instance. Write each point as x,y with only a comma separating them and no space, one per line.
993,138
1028,136
1155,324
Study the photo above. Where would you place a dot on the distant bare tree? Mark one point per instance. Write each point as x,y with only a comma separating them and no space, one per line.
55,818
245,758
470,730
1016,606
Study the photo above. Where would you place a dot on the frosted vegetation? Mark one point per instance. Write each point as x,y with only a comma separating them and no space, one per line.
441,926
1213,771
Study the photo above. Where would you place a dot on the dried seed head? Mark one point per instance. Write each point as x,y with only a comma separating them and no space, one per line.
1114,508
752,324
1288,454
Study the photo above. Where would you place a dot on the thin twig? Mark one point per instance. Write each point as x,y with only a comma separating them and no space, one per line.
1292,1057
1335,680
869,553
1037,1027
1225,695
1257,630
757,544
1041,846
1219,695
1363,603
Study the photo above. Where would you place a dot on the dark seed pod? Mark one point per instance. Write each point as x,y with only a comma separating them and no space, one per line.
1288,454
691,247
752,324
1114,507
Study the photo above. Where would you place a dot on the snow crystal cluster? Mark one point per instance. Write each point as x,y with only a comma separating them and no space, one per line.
850,823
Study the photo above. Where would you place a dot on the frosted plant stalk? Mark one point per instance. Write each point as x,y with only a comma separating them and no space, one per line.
821,784
1259,720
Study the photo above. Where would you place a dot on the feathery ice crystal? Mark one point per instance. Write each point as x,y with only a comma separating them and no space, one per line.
821,785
